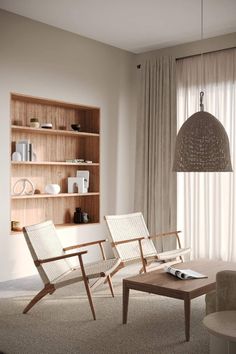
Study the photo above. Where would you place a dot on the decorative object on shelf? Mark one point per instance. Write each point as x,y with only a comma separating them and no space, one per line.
202,144
46,125
88,161
16,156
24,147
78,216
26,187
75,161
60,151
77,185
75,127
85,217
34,123
85,175
52,188
15,226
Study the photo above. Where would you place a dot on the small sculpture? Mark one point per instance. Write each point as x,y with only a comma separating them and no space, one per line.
25,184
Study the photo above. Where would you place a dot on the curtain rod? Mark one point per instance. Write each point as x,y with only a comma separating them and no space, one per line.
195,55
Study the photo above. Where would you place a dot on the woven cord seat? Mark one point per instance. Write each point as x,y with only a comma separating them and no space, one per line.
53,264
132,242
93,270
173,254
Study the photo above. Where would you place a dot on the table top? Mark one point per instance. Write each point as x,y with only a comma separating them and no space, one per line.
222,324
162,283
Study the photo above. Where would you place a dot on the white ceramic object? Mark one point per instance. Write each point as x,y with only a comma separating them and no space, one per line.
46,125
16,156
52,189
85,175
77,185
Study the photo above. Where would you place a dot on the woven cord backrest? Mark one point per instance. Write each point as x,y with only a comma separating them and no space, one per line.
129,226
43,242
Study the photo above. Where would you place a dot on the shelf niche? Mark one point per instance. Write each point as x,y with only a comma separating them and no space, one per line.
52,148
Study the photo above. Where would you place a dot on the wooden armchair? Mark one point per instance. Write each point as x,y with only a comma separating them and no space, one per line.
51,261
131,242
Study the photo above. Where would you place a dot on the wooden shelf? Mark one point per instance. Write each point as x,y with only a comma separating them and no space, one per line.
60,195
53,147
44,131
60,226
54,163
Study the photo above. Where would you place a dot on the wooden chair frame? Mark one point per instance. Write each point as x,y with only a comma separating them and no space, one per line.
49,288
147,260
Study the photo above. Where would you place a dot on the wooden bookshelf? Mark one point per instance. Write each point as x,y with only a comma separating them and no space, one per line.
52,148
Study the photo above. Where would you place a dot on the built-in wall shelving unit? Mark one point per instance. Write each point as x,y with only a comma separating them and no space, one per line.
52,149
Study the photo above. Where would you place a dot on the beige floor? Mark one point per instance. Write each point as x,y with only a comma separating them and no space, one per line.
62,323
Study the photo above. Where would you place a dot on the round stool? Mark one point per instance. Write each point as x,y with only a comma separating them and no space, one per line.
222,328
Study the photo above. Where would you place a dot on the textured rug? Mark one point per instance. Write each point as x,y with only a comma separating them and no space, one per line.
62,323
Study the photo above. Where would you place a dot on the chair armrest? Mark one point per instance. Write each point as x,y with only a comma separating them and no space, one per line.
127,241
165,234
46,260
175,233
84,244
137,239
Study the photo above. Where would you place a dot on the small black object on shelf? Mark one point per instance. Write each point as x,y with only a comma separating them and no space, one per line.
75,127
78,216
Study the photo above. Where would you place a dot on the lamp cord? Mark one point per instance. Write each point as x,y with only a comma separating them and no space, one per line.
201,63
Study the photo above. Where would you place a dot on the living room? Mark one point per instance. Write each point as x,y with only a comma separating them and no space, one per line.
43,57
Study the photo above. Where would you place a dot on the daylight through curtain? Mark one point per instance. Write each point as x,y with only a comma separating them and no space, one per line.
207,201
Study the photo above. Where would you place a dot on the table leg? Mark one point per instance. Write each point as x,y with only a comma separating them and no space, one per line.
187,310
125,302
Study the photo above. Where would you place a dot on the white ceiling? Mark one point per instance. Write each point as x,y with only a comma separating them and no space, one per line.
133,25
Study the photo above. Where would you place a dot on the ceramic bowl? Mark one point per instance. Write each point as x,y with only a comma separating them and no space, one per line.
52,189
75,127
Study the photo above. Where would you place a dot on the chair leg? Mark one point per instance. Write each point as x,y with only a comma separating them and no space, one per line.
38,297
110,285
116,270
85,279
89,298
98,282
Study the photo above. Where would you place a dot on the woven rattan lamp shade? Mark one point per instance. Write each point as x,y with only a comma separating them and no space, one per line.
202,145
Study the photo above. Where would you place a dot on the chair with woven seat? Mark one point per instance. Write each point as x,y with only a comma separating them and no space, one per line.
53,265
131,241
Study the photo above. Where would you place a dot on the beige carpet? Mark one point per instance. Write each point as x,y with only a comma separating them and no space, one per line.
62,323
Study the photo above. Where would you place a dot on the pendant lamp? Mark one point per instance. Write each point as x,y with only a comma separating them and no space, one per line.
202,144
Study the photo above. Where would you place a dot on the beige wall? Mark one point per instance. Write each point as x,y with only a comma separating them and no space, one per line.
43,61
40,60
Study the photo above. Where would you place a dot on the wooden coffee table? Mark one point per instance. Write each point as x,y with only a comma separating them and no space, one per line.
161,283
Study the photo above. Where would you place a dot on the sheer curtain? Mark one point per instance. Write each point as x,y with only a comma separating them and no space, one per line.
156,130
207,201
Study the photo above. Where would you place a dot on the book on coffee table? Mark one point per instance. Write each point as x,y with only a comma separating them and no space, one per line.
184,273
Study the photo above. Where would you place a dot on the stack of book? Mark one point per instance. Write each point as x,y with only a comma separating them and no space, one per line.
24,147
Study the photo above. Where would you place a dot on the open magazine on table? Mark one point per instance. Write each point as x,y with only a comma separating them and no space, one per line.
184,273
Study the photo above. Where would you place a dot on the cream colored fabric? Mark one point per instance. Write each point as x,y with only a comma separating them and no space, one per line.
207,201
131,226
43,243
224,298
173,253
92,270
155,188
126,227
